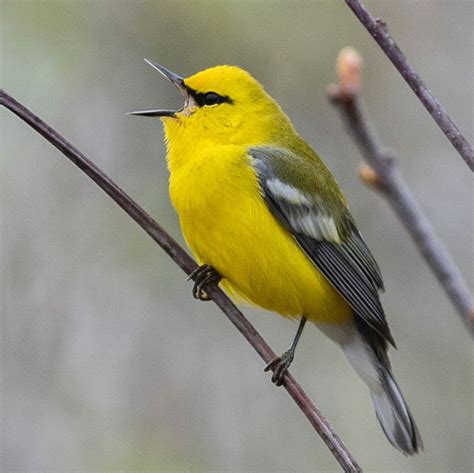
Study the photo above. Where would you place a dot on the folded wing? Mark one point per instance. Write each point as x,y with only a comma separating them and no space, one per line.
304,197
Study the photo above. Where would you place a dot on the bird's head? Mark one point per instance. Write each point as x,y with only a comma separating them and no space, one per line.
222,105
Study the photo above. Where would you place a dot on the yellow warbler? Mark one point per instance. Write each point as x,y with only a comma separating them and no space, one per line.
264,216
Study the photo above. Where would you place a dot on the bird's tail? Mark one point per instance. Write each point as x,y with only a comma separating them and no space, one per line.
367,353
394,415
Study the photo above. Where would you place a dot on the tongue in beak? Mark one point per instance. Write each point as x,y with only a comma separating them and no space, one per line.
176,80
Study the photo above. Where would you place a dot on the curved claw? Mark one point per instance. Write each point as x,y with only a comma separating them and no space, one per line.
280,366
203,276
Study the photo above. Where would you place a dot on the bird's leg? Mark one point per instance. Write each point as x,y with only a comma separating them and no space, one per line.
280,365
202,276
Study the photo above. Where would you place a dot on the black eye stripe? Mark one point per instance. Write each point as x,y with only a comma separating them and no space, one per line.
208,98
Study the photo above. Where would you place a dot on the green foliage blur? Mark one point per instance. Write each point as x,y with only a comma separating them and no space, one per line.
107,362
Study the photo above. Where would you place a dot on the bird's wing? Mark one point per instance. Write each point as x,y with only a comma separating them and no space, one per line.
293,187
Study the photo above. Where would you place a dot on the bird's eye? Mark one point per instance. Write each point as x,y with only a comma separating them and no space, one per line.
211,98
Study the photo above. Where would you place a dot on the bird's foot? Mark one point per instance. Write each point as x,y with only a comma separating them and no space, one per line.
202,276
280,366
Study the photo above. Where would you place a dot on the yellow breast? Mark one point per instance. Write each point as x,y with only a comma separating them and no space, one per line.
227,224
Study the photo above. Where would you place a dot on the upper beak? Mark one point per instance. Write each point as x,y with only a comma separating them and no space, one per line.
176,80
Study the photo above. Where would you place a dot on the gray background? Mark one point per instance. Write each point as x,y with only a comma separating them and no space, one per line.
107,362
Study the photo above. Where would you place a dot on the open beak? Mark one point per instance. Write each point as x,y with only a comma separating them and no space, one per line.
177,81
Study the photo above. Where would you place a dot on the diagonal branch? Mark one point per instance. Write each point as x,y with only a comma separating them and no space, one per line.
187,264
379,31
384,176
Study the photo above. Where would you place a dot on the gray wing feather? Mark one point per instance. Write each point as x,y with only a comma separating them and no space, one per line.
333,244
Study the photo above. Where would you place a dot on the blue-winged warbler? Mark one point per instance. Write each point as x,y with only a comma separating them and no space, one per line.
264,216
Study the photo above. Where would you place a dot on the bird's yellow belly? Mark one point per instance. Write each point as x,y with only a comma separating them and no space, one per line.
226,224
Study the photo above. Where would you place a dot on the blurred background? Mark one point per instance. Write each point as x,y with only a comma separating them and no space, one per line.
107,363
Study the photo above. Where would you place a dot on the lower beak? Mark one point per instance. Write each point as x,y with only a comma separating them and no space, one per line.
176,80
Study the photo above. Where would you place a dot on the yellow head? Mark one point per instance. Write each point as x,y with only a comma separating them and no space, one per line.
223,105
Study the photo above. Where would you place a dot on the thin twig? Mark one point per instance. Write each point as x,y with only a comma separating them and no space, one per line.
187,264
379,31
384,176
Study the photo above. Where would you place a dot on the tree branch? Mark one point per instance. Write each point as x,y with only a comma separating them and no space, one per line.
187,264
379,31
383,175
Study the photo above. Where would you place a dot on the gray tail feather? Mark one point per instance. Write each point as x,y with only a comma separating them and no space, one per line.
390,406
366,351
394,415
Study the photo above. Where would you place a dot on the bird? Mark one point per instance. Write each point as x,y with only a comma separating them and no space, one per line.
266,220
